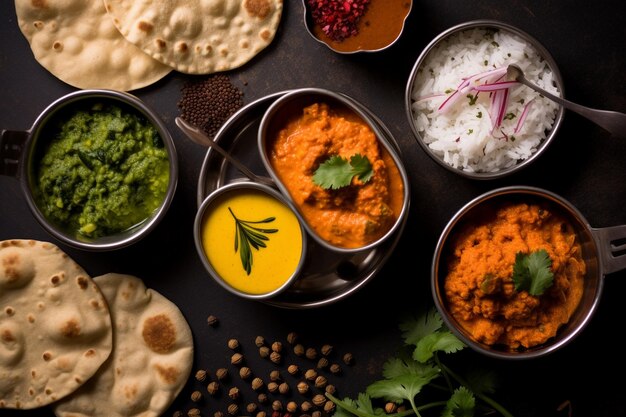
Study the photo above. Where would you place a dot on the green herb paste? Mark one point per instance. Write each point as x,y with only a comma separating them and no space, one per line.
104,171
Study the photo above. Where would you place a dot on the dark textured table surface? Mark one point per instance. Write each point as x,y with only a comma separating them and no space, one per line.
583,164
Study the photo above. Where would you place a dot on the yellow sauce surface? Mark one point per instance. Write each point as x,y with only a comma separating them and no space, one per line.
480,289
272,265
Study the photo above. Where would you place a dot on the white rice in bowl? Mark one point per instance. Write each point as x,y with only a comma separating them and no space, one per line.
465,131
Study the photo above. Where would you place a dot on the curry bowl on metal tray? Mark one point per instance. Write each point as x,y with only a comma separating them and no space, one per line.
330,158
518,271
98,168
327,275
464,111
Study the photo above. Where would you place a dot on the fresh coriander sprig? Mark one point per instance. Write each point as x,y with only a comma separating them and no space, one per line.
250,236
531,272
337,172
418,367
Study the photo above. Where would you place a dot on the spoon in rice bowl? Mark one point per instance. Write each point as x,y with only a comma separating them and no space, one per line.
612,121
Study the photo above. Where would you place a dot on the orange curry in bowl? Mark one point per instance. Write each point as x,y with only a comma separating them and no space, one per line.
484,272
348,217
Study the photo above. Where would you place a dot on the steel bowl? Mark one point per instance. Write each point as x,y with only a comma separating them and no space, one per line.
291,104
418,67
18,149
602,252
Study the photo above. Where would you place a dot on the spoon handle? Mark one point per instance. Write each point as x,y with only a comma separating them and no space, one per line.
197,136
613,122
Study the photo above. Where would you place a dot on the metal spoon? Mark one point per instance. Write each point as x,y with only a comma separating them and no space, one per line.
199,137
612,121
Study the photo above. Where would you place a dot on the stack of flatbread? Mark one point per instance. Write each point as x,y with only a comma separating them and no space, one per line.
127,44
106,346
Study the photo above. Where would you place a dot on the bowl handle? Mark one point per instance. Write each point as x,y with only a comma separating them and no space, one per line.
612,247
11,147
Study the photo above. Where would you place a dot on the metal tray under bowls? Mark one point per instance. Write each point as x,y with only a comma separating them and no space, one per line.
327,276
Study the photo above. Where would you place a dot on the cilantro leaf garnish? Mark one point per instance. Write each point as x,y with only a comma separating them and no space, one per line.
337,172
531,272
418,367
247,236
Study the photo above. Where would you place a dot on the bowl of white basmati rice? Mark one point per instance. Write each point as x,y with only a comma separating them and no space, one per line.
467,115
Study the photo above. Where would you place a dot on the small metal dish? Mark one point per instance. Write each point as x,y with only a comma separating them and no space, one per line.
602,251
214,201
19,148
376,32
412,86
292,104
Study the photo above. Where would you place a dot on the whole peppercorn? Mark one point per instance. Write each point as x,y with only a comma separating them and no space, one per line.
293,369
335,368
221,373
298,350
326,350
292,407
212,321
259,341
310,374
236,359
213,387
330,388
277,346
292,337
261,414
257,384
302,387
319,400
329,406
275,357
272,387
194,412
348,359
218,414
201,375
233,393
233,409
322,363
245,372
283,388
306,406
196,396
320,381
251,408
390,407
233,344
275,376
277,405
311,353
262,398
264,351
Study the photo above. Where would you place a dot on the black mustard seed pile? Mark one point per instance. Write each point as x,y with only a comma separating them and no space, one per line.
208,102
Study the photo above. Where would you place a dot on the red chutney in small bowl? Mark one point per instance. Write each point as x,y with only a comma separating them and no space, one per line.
379,25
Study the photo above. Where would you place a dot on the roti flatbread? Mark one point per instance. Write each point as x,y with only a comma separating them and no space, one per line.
198,36
55,327
77,42
151,360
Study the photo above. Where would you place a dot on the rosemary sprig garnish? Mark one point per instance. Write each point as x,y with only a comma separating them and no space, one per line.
250,236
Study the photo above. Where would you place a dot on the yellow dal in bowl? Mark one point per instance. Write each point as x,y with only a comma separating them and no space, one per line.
273,265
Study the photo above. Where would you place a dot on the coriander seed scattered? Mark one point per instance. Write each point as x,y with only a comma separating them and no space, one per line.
257,384
292,407
283,388
277,405
201,375
259,341
316,413
251,408
221,373
277,346
275,376
322,363
293,369
275,357
298,350
262,398
264,351
319,400
261,414
310,374
212,321
233,409
233,393
194,412
236,359
302,387
330,388
292,337
306,406
218,414
329,406
196,396
272,386
311,353
335,368
326,350
390,407
213,387
233,344
320,381
177,414
245,372
348,359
